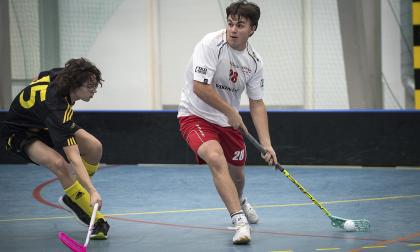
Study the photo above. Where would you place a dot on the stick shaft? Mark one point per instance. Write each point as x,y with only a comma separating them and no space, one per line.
286,173
92,222
302,189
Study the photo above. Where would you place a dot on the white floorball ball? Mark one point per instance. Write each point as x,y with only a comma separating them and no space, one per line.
349,226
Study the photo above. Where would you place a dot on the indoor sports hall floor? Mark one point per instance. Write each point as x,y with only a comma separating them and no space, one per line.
176,208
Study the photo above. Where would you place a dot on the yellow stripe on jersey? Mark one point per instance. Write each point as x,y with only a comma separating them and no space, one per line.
71,141
43,79
65,113
68,114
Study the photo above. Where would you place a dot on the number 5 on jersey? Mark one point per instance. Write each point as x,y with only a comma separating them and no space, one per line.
31,102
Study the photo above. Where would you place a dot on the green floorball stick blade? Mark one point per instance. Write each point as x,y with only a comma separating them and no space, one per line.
362,225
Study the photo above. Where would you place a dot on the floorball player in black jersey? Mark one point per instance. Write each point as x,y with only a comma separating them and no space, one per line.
40,128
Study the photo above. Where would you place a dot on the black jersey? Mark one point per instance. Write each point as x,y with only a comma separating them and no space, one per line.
40,106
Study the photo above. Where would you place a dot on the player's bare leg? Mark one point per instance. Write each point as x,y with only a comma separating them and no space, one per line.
238,177
44,155
90,150
212,153
89,146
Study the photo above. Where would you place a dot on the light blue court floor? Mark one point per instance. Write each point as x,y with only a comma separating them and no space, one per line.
176,208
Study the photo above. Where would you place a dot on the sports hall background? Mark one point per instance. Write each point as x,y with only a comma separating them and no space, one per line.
340,87
339,77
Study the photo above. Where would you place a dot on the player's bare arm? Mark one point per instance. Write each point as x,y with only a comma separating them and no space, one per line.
73,155
260,120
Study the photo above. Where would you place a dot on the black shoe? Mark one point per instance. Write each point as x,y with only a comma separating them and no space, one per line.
100,230
73,208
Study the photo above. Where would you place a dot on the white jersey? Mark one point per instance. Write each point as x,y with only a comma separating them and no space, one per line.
229,71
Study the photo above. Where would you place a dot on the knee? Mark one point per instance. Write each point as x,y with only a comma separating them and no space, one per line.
95,152
97,149
216,160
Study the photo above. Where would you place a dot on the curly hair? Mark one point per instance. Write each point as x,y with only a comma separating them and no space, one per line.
75,73
245,9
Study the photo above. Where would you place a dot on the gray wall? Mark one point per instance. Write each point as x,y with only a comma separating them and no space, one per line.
360,24
5,68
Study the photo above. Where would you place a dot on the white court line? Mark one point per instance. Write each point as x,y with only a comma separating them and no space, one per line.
397,197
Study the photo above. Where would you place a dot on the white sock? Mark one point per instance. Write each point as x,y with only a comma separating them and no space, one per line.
238,218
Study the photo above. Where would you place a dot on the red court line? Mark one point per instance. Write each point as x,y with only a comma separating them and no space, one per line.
36,193
254,231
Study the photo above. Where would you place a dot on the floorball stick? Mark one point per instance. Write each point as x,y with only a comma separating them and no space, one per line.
74,245
338,222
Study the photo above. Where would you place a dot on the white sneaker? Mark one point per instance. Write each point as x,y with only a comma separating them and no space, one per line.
249,211
243,234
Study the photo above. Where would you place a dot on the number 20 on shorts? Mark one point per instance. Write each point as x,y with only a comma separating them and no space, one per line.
239,155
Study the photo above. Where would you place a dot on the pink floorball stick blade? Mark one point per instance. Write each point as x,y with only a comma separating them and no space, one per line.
70,243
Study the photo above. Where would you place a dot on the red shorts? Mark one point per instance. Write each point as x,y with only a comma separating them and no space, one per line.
197,131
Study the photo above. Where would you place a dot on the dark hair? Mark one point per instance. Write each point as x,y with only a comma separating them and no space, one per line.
245,9
75,73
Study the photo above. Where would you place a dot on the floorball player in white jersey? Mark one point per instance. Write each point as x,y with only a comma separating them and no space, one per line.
222,66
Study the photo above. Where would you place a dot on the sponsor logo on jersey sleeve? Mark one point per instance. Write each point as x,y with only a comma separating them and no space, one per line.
201,70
